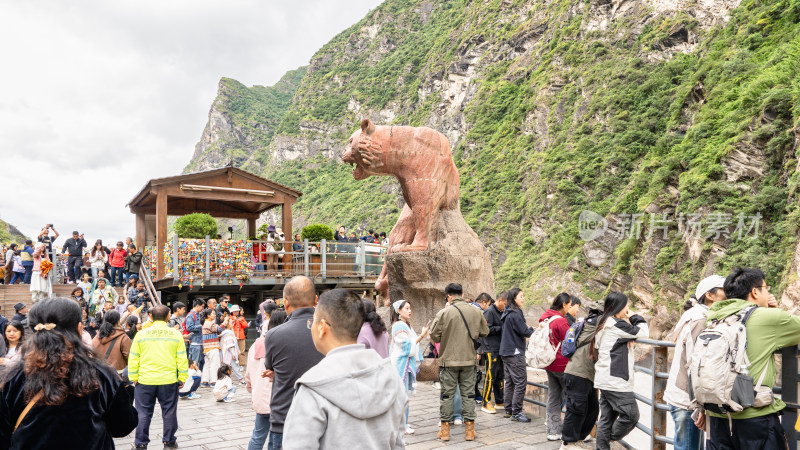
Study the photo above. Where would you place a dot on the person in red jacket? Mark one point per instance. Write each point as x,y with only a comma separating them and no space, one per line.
117,262
239,324
555,371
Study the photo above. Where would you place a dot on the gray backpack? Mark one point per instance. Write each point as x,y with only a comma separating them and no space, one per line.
719,379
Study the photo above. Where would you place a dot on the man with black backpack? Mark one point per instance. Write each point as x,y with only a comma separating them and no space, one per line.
457,328
768,329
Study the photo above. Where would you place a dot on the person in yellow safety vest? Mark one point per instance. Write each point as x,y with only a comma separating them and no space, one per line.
158,367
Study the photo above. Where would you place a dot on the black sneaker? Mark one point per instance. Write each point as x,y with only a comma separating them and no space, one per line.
173,444
521,417
140,446
507,415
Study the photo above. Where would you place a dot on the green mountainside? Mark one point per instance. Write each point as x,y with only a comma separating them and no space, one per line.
242,121
554,107
10,234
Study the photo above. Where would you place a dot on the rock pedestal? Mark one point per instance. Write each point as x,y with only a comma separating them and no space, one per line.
456,256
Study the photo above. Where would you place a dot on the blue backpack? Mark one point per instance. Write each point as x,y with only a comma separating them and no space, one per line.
570,344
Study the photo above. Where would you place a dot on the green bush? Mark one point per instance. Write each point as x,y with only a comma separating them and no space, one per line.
317,232
196,226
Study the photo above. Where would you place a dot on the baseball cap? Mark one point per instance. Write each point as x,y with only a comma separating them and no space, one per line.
707,284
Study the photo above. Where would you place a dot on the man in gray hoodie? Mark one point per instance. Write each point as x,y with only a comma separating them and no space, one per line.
353,398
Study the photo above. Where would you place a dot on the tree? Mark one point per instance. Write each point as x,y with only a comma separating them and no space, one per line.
317,232
196,226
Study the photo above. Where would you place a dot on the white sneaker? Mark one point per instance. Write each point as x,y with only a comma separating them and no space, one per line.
436,385
588,438
458,422
409,430
553,437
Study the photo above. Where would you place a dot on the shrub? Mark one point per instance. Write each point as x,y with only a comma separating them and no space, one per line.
317,232
196,226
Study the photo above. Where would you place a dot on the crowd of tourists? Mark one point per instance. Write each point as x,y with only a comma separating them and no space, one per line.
82,265
328,371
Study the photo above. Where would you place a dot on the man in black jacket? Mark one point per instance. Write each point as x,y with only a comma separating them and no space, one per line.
74,248
290,352
494,363
133,263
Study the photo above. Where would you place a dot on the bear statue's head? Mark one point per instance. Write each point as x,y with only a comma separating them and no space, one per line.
365,152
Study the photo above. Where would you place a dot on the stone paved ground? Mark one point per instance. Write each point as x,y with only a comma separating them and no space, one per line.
206,424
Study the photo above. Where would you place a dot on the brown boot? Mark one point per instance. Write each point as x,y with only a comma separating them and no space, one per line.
470,430
444,432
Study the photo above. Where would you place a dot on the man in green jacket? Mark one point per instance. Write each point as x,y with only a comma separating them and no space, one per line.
157,365
455,328
768,329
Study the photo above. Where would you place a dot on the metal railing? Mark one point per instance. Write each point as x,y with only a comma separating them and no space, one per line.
659,372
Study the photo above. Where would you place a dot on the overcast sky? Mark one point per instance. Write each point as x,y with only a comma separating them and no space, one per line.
97,97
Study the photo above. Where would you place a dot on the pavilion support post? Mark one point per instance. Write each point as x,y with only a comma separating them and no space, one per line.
161,231
141,232
286,222
207,274
251,227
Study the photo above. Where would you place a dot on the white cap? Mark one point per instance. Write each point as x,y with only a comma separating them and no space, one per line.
234,308
709,283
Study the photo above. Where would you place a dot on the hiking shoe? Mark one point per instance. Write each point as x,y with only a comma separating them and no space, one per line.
173,444
488,409
521,417
458,422
193,396
140,446
553,437
507,415
570,446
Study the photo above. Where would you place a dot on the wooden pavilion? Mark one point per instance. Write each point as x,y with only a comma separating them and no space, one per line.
228,192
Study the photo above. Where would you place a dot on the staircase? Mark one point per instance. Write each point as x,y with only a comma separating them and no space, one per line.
21,293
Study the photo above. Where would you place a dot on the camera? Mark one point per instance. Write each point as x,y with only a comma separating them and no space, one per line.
49,225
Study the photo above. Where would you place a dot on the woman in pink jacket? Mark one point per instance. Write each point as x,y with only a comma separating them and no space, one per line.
260,388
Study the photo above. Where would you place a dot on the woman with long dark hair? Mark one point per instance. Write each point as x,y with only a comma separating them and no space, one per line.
405,352
614,368
512,349
73,396
373,333
97,258
556,320
111,343
12,339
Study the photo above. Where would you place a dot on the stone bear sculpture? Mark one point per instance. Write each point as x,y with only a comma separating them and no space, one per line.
420,159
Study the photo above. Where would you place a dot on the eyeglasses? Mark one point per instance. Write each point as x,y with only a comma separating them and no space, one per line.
310,321
766,287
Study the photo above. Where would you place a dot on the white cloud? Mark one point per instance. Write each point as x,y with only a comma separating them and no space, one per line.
98,97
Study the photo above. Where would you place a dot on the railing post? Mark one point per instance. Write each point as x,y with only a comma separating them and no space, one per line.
659,417
789,393
305,258
323,269
362,263
208,258
175,273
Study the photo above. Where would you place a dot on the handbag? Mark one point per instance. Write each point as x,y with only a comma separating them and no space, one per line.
429,367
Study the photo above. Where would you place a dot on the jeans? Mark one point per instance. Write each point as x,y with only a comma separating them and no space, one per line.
687,435
516,381
582,408
17,276
618,416
28,273
196,353
260,432
146,396
458,410
116,276
450,378
493,380
74,264
275,441
195,384
555,398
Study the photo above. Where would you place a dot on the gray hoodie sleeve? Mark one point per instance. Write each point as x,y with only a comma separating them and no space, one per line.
306,421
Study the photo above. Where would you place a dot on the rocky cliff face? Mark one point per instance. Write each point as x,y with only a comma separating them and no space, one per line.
242,122
674,123
10,234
